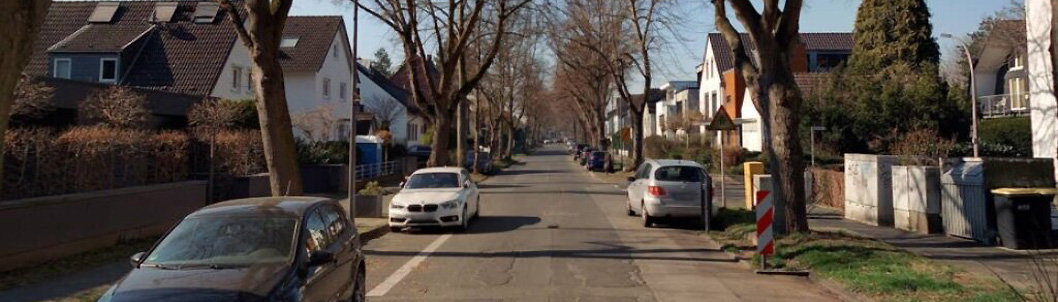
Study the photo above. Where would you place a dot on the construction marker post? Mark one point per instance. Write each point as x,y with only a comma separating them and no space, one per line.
765,240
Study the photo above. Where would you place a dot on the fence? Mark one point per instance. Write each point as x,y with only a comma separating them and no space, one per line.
1003,105
375,170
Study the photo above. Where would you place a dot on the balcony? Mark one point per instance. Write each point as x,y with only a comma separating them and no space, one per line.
1003,105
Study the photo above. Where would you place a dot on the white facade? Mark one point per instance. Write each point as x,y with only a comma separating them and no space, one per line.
236,68
1041,85
373,96
751,125
710,85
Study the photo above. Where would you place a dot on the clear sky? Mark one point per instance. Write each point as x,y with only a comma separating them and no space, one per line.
956,17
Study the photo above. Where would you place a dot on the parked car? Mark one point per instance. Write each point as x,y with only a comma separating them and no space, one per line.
443,197
668,188
420,152
484,164
256,249
597,161
547,141
577,151
584,153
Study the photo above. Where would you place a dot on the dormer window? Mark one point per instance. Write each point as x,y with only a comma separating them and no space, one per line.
108,70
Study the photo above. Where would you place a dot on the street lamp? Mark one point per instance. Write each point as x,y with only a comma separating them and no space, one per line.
973,90
352,115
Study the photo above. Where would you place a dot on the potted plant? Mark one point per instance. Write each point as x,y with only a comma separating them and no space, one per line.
369,201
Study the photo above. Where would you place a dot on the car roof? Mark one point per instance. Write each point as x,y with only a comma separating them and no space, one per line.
439,170
674,162
283,206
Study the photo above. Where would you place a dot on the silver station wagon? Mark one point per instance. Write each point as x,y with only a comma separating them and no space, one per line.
668,188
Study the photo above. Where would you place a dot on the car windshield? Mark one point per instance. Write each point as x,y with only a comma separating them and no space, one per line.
225,241
679,173
432,181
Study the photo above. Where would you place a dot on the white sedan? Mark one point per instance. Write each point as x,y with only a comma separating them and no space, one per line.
444,197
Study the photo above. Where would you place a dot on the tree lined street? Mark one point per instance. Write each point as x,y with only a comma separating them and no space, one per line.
549,231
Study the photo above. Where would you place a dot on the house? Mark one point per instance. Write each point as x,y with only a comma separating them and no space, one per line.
673,101
1040,78
417,124
617,115
720,85
1000,71
190,48
750,120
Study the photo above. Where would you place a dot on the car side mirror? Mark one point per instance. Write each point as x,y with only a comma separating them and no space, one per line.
631,179
318,258
137,258
401,185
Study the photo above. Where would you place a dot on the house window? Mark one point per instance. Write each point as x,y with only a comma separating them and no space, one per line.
326,88
236,77
1018,98
288,42
62,68
335,51
342,89
108,70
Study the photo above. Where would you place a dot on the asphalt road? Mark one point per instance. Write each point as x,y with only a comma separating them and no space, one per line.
549,231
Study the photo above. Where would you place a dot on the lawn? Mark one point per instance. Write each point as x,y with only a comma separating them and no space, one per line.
861,265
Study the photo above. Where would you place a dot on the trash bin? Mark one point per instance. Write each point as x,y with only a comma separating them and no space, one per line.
965,207
1023,217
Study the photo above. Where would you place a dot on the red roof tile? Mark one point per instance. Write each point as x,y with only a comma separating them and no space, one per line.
315,35
812,42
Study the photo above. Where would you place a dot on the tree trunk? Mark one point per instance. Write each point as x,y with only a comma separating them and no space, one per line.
477,134
508,151
788,158
442,129
637,139
277,135
461,140
22,20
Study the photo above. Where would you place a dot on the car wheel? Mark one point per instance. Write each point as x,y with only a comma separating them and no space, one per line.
477,210
648,221
360,285
463,221
394,229
628,204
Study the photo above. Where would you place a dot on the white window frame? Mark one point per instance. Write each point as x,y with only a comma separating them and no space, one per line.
69,70
116,68
236,77
326,88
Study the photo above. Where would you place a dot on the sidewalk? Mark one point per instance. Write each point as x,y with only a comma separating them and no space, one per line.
1016,268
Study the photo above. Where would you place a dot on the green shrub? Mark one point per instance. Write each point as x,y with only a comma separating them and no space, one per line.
372,188
1007,136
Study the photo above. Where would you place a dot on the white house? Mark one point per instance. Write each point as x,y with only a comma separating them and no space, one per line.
750,121
1041,84
671,107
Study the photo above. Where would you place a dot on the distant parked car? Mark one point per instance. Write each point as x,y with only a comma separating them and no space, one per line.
584,154
577,150
484,164
668,188
256,249
422,153
547,141
442,196
597,161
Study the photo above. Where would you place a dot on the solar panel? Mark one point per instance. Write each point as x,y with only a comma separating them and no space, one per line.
164,11
104,12
205,12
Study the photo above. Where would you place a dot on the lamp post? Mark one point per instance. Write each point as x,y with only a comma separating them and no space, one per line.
352,114
973,90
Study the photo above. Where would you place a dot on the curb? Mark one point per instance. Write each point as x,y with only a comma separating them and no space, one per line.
374,233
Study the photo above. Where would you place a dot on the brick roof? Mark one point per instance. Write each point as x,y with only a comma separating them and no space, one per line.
811,82
812,42
315,34
179,56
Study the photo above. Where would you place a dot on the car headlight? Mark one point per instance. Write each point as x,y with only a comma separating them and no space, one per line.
452,204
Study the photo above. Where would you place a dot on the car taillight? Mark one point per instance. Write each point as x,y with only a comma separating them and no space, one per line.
656,191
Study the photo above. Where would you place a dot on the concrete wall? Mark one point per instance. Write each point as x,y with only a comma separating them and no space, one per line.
869,188
46,228
916,198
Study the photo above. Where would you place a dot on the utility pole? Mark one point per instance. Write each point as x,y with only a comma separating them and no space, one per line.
973,91
352,114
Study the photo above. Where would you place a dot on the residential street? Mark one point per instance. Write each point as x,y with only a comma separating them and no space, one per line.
550,232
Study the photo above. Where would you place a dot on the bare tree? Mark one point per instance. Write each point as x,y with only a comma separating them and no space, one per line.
317,125
582,72
261,33
451,26
386,111
772,88
115,106
22,20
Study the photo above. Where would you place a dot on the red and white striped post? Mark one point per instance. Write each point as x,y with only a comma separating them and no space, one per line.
765,214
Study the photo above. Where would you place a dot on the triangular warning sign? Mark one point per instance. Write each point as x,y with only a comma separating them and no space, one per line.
721,121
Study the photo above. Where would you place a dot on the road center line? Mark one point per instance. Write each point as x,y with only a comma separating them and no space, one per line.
382,288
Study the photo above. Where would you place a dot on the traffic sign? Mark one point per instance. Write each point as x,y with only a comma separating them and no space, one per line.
721,121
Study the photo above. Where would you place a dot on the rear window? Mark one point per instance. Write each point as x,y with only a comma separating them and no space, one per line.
679,173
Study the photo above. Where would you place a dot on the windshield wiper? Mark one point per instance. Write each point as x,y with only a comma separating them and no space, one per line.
161,266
